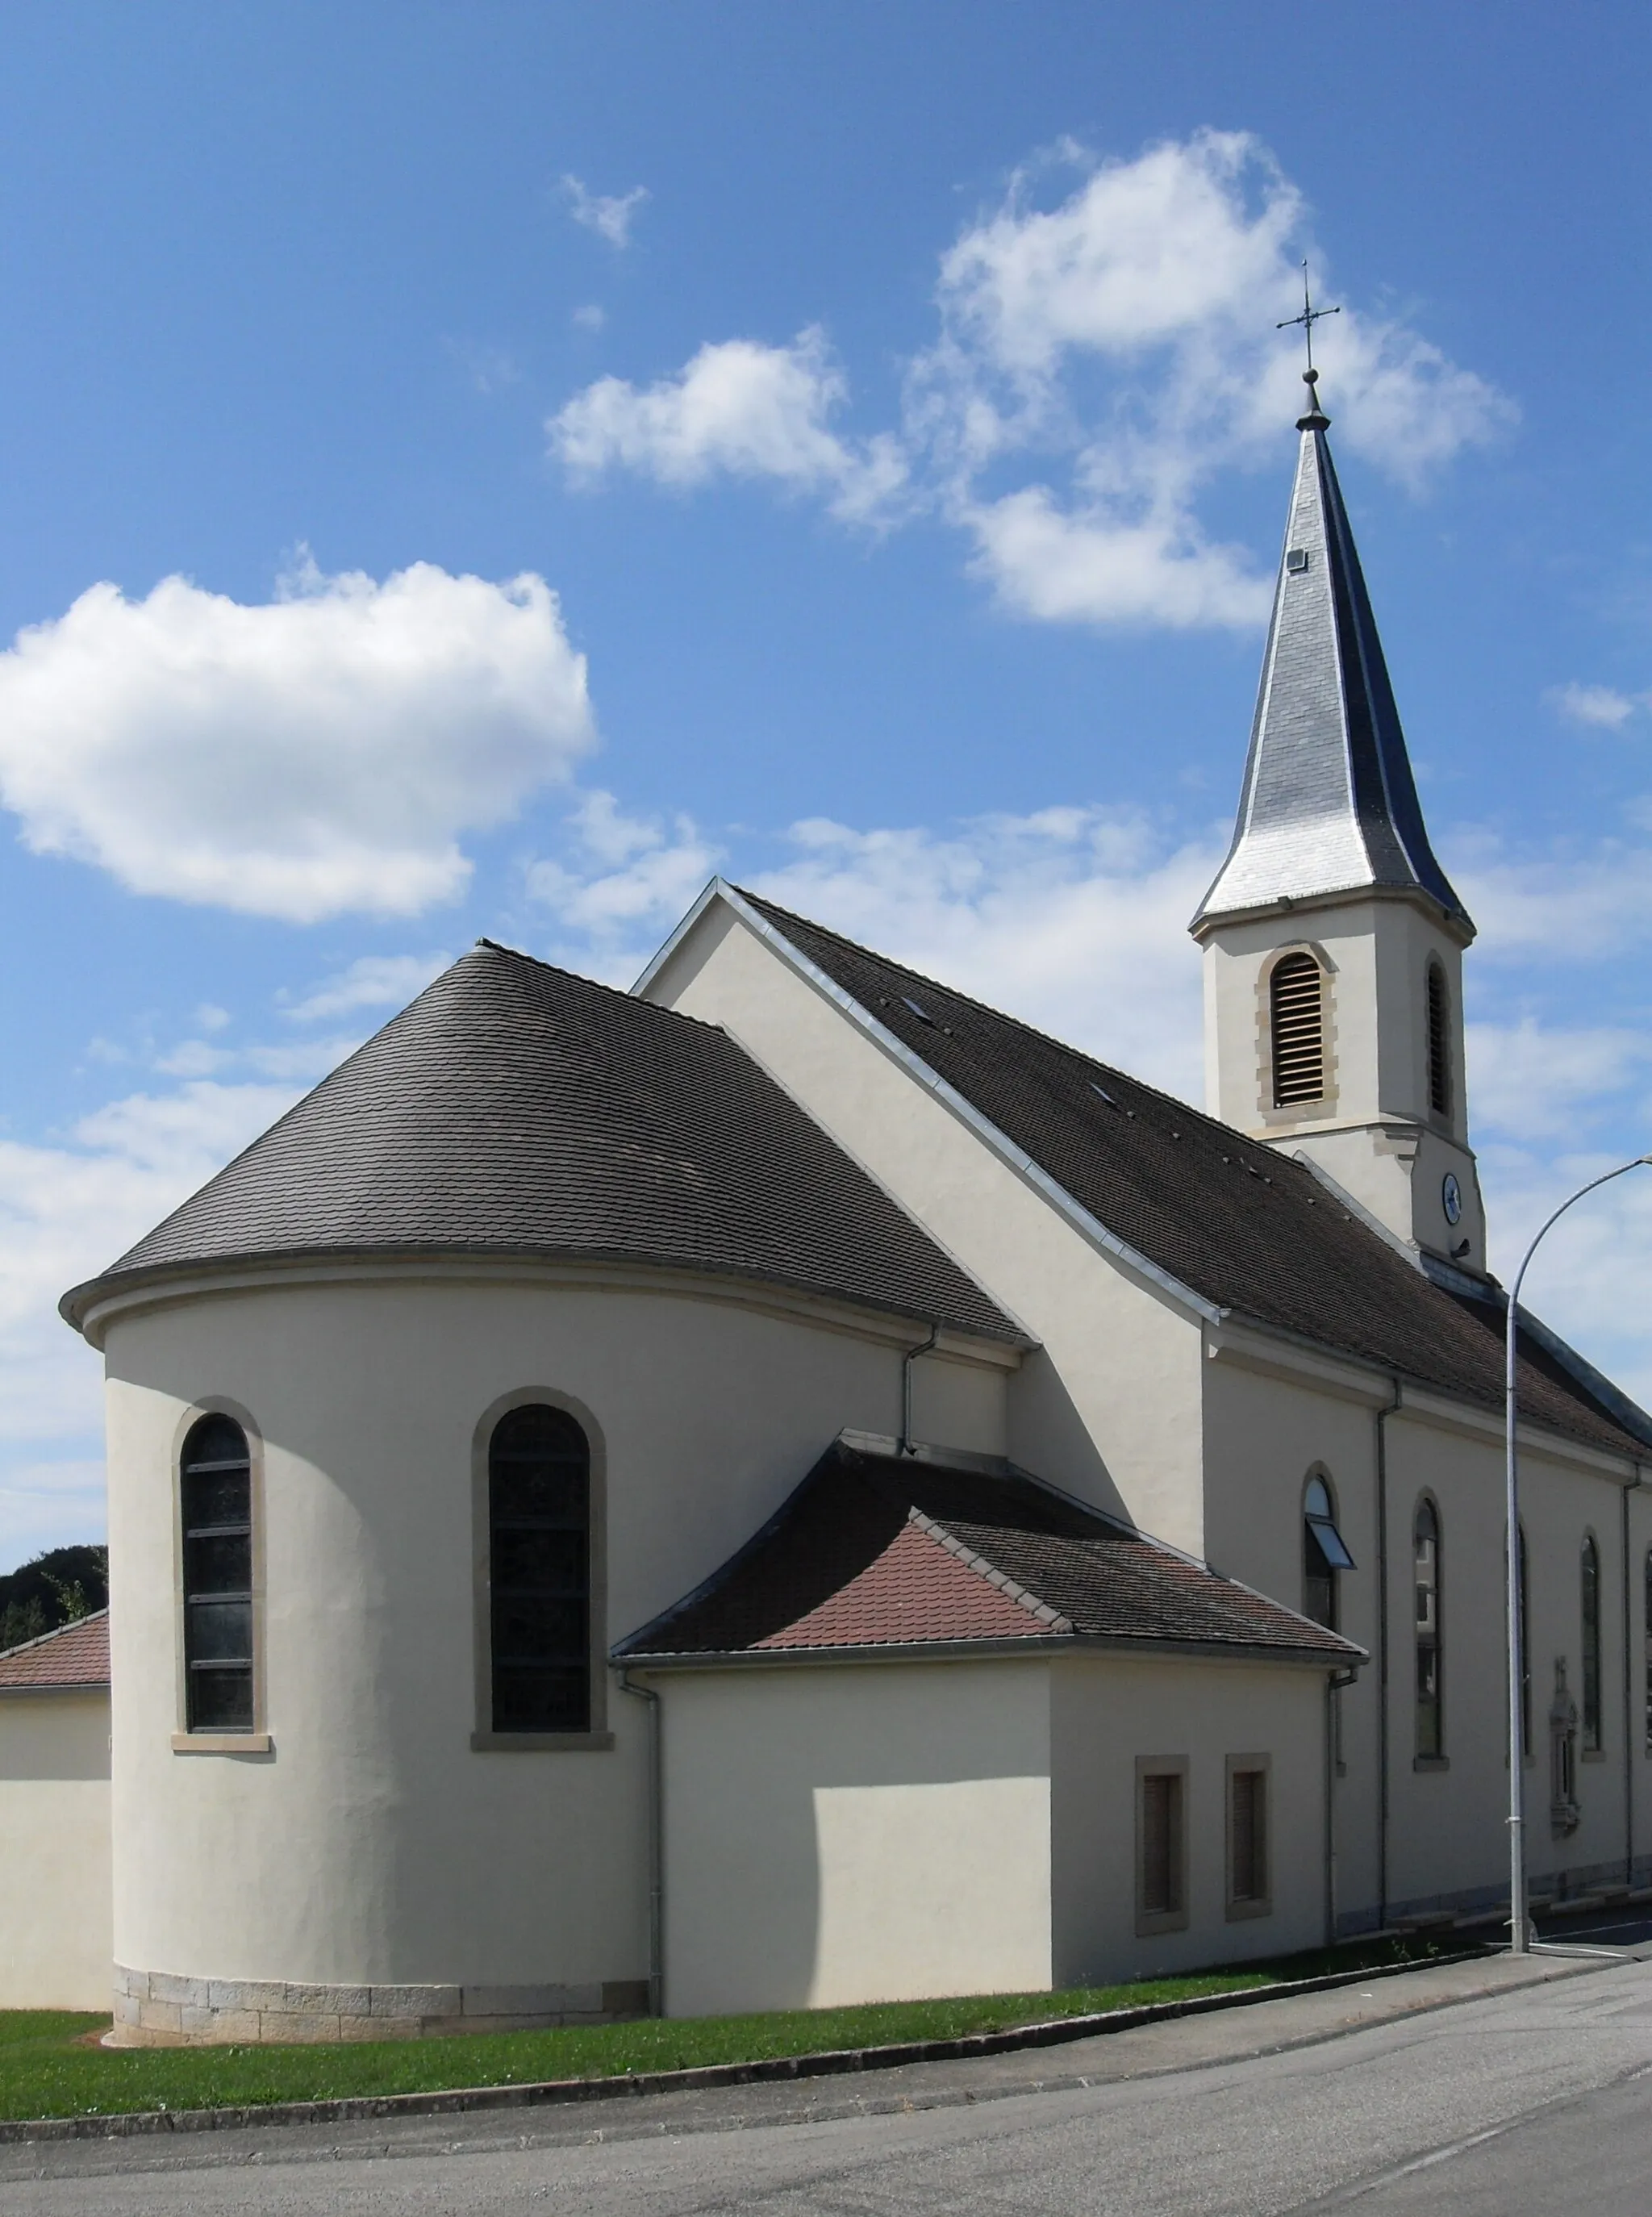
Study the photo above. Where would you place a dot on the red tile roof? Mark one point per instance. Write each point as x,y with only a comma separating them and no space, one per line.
74,1655
876,1549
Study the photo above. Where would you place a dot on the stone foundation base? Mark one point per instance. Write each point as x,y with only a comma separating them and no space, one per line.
161,2008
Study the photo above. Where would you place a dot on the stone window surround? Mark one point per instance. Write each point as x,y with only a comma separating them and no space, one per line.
257,1741
484,1740
1259,1905
1175,1920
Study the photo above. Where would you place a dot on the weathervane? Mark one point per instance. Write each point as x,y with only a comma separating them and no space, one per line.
1310,316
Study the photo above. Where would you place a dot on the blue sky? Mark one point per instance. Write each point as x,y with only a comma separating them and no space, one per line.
478,470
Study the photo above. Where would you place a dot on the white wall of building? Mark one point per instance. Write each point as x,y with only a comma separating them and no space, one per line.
1106,1711
851,1833
1109,1406
55,1887
370,1842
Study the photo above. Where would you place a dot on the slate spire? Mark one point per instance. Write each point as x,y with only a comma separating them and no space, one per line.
1330,805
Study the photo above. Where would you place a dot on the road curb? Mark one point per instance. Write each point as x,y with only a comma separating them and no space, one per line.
550,2093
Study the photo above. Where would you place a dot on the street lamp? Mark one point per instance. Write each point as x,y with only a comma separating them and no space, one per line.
1518,1934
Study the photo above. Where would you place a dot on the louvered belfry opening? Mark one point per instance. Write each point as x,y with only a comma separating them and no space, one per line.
1296,1002
1439,1059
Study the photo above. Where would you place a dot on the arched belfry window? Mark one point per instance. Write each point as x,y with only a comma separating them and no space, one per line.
1426,1537
215,1504
1323,1554
1297,1025
539,1572
1589,1568
1439,1043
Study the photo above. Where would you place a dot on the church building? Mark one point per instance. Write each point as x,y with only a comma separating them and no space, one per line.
788,1486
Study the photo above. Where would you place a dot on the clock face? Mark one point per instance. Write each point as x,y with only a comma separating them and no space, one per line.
1450,1194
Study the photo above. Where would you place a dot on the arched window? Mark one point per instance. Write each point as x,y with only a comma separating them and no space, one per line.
215,1504
1430,1738
539,1572
1323,1554
1590,1567
1439,1043
1297,1019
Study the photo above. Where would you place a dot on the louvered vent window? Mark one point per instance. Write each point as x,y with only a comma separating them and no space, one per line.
1297,992
1439,1055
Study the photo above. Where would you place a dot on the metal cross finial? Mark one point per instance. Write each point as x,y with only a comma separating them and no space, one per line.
1310,316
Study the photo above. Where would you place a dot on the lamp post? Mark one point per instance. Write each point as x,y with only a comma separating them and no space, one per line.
1519,1934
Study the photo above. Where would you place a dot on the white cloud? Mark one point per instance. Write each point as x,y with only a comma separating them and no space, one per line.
1601,706
299,758
590,317
1586,904
1073,918
741,408
372,981
620,885
67,1211
609,217
1531,1080
1097,364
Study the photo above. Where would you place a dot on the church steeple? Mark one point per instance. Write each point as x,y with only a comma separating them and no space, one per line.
1330,805
1333,939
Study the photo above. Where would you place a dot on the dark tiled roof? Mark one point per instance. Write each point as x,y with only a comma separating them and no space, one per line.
74,1655
515,1108
876,1550
1248,1229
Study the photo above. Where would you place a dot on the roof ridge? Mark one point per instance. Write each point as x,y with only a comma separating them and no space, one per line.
1051,1618
577,977
57,1632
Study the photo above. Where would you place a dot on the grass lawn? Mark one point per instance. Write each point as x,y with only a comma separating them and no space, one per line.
46,2070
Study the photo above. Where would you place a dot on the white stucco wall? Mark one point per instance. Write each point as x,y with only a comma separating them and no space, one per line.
856,1833
372,1844
55,1932
1376,955
1109,1406
1108,1710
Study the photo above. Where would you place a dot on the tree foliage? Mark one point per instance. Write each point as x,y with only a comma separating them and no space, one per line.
54,1589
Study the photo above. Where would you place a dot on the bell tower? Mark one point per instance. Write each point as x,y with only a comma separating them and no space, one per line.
1333,939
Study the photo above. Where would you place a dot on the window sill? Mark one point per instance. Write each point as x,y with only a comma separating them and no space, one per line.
254,1743
1592,1754
1239,1910
492,1743
1175,1920
1433,1762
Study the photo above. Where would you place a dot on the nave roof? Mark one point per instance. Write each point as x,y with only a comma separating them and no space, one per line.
1244,1228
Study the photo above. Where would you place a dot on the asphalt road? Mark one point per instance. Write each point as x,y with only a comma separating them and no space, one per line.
1538,2099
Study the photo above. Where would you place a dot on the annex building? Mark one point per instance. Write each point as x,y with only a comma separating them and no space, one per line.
788,1486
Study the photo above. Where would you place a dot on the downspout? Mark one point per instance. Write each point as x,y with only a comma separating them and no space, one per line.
911,1357
655,1846
1335,1682
1383,1416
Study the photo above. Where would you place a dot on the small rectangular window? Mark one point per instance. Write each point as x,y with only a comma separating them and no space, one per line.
1160,1844
1250,1889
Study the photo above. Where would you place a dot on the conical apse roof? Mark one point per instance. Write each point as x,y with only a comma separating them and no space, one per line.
515,1108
